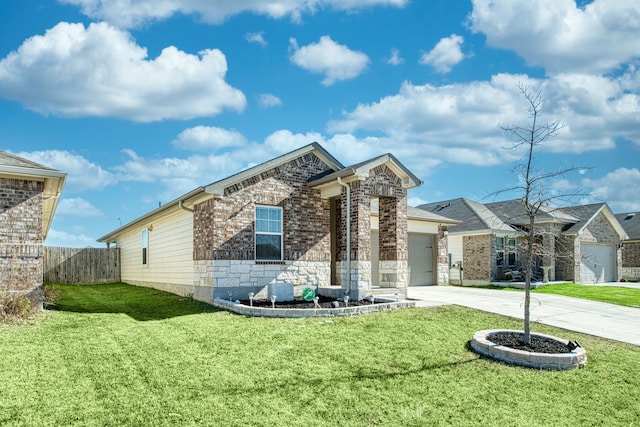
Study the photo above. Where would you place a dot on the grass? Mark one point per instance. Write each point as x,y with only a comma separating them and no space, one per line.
629,297
121,355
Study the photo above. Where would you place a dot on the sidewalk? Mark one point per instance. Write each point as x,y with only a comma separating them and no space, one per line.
590,317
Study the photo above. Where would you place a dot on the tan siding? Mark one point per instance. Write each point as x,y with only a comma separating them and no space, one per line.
170,251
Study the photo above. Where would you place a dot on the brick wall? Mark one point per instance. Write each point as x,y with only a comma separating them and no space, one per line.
224,228
479,257
20,234
631,254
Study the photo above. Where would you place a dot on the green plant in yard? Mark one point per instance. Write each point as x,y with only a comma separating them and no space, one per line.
122,355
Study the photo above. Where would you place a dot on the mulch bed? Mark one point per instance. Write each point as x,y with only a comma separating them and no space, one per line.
538,344
324,302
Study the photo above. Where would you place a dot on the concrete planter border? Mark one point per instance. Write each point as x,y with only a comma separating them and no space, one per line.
482,344
306,312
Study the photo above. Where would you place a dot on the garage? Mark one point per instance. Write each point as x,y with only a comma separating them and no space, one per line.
420,259
597,263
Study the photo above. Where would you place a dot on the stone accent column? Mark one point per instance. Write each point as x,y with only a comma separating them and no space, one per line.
443,256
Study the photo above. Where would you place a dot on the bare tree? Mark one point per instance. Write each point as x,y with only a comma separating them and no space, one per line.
533,184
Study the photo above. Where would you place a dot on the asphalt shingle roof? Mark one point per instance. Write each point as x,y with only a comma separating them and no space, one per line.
631,223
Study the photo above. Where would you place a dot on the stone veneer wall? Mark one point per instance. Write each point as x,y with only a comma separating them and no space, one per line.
479,257
21,268
599,230
224,250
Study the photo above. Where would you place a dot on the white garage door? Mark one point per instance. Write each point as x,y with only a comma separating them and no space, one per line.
421,259
597,263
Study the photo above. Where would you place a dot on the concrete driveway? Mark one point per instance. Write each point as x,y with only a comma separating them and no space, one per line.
590,317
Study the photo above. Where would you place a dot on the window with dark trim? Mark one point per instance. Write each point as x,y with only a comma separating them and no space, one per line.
145,246
505,251
268,236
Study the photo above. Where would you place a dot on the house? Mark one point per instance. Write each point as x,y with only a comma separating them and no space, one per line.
29,195
630,246
577,243
301,219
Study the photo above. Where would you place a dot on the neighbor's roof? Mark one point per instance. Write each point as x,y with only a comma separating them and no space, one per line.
473,216
513,212
15,167
631,224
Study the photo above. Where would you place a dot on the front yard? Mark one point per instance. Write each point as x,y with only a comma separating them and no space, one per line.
121,355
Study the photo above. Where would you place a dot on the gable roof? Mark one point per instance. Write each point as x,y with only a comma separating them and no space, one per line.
217,188
631,224
15,167
473,216
587,213
329,184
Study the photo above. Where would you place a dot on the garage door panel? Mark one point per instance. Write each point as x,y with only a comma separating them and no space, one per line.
421,259
597,263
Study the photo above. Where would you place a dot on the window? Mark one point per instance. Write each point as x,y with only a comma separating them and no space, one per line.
505,251
145,245
268,233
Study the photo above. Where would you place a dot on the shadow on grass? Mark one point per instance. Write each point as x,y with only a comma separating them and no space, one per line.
137,302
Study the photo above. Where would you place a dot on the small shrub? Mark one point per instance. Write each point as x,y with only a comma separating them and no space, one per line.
14,308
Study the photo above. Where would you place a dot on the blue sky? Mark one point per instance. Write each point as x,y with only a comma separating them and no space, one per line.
142,101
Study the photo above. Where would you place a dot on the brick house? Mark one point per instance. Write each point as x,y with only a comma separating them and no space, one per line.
630,246
302,219
576,244
29,195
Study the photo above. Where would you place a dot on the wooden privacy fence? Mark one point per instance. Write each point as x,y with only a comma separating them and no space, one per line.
81,265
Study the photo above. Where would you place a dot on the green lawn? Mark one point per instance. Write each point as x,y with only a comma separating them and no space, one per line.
629,297
612,294
120,355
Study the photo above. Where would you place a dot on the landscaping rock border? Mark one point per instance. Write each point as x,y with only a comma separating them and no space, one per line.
481,344
319,312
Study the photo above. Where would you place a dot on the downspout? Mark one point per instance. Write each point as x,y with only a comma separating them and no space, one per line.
348,290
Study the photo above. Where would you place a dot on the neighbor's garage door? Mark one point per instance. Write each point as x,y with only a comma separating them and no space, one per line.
421,259
597,263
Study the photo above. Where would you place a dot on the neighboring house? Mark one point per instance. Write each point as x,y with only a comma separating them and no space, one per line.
631,246
579,243
29,195
287,221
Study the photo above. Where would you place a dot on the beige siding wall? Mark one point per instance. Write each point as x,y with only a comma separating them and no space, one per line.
169,257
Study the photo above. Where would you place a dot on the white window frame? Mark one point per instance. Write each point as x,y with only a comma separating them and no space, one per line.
145,246
268,232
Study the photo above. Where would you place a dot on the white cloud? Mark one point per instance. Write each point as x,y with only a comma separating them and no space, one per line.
619,188
82,174
459,122
69,240
205,138
445,54
77,207
127,13
256,38
561,36
337,62
99,71
395,58
266,100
